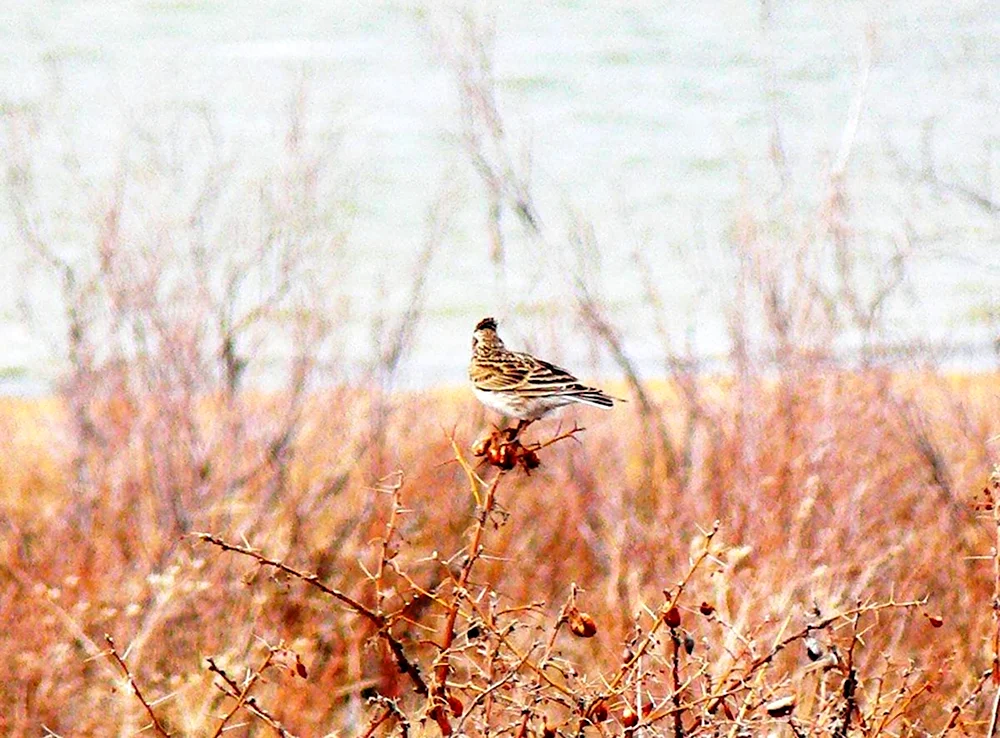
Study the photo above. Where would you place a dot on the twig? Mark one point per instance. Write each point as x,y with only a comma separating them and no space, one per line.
675,674
403,663
956,711
522,727
441,670
244,693
494,657
391,711
556,438
671,603
560,621
232,689
307,577
994,711
501,635
475,481
850,684
733,685
135,687
494,686
376,721
385,553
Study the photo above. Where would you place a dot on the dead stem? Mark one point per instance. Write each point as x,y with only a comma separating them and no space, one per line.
439,695
402,661
230,688
113,652
244,692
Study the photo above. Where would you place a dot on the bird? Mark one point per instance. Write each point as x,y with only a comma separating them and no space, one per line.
520,385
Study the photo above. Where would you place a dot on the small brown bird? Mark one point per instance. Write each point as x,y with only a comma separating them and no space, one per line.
520,385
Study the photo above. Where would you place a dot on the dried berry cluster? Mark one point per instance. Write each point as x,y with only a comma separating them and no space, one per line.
504,450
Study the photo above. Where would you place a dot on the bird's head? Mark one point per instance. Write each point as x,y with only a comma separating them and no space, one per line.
485,334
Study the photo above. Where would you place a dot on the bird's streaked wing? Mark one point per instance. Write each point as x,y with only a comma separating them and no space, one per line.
498,376
548,379
526,375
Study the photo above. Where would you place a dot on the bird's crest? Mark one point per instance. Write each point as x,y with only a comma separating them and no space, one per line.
486,323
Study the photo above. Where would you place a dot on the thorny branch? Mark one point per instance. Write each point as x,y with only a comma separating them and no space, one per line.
737,683
232,689
244,692
113,652
309,578
443,667
405,665
390,711
671,604
850,683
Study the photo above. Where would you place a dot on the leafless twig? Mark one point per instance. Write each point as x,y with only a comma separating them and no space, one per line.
232,689
113,652
244,691
406,666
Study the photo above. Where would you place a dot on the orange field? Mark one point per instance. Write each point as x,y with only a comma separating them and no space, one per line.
808,555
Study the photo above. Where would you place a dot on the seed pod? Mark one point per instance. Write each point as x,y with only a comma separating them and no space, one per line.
672,617
529,459
706,609
781,707
629,718
599,712
688,643
582,625
289,660
508,458
456,706
936,621
502,456
480,447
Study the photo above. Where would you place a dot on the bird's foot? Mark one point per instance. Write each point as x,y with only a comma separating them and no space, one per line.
513,433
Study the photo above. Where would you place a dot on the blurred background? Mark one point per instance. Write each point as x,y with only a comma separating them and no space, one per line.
379,176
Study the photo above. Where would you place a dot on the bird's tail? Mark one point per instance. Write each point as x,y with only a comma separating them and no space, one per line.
597,398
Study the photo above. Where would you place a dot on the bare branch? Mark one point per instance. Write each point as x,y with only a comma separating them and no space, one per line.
113,652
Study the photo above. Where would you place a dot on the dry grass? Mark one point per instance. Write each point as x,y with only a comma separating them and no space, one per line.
848,532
